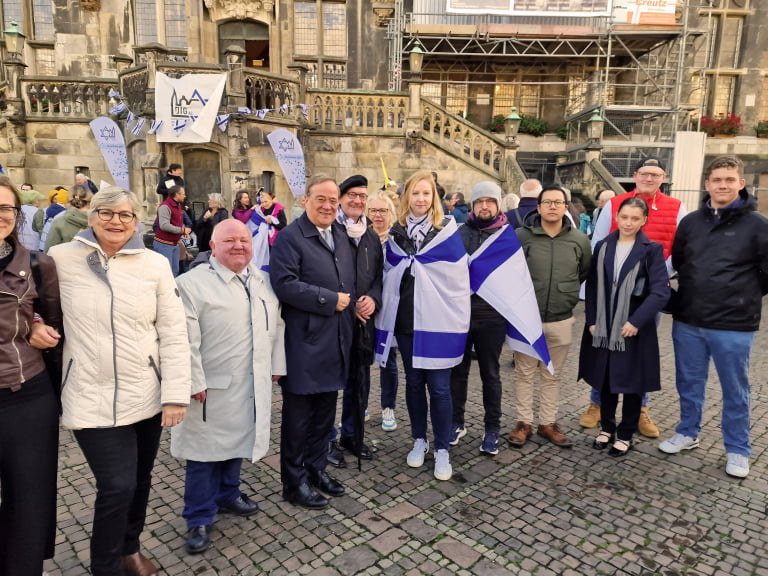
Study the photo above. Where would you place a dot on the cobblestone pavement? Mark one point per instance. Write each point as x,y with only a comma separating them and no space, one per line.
537,510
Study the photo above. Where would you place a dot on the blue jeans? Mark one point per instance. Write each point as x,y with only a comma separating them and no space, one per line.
417,382
730,352
388,377
170,252
208,486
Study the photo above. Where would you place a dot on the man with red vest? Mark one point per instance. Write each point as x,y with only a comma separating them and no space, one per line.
169,226
664,214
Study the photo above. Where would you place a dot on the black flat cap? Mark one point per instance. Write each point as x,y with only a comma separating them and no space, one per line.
356,181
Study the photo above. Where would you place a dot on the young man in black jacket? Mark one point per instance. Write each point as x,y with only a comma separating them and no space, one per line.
721,256
487,328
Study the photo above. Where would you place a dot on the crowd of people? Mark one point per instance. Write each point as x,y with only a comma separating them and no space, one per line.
114,338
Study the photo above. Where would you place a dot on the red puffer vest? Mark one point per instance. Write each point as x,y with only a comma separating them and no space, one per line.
177,219
662,217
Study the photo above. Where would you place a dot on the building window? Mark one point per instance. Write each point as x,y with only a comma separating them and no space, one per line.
322,48
42,14
41,27
170,13
253,37
45,62
13,11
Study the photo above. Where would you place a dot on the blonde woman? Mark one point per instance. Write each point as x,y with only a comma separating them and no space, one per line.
72,221
381,213
426,310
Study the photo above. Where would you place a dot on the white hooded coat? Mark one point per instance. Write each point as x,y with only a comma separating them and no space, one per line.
236,346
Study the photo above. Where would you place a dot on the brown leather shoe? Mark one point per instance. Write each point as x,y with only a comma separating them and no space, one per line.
552,433
137,565
520,434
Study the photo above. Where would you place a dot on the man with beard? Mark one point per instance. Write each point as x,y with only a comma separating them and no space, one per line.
487,328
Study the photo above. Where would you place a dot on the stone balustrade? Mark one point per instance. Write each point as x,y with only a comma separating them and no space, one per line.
357,111
460,137
78,100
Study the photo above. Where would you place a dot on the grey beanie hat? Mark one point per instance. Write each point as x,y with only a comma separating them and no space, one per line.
486,190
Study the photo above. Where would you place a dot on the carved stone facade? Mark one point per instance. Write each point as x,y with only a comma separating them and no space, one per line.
222,10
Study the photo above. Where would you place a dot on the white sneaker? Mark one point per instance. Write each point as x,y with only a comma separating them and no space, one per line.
678,443
388,422
416,456
737,465
443,469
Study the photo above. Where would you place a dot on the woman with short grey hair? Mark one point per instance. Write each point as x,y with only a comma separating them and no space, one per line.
204,226
126,369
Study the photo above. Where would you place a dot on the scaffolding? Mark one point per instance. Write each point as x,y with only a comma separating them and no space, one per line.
559,69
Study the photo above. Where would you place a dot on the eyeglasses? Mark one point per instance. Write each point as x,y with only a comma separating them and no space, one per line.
651,175
381,211
106,215
9,212
358,196
557,203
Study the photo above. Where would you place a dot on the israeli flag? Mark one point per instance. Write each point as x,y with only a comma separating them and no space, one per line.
498,273
259,228
155,126
441,300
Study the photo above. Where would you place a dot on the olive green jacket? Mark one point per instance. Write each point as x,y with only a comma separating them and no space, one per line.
558,266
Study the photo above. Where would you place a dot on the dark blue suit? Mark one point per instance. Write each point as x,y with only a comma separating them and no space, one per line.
307,277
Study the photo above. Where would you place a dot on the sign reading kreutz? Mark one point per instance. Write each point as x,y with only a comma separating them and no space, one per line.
187,106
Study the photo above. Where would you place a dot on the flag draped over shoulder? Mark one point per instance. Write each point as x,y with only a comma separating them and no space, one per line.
441,300
259,228
499,274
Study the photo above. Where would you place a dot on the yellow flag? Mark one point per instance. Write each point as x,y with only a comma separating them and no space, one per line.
384,170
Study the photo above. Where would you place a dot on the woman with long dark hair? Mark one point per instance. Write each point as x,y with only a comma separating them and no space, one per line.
627,287
29,426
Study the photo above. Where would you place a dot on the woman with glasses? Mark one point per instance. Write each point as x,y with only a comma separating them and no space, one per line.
381,214
29,425
126,370
627,287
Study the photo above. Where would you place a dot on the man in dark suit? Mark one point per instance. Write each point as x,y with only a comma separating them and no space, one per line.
312,269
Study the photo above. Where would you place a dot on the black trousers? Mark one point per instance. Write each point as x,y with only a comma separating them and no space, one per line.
630,413
488,339
307,422
29,446
121,459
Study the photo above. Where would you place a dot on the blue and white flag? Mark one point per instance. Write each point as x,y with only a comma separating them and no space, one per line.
118,108
155,126
244,110
441,300
499,274
136,130
259,228
222,121
305,110
261,114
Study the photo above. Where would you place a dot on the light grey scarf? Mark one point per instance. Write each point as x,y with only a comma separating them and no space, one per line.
601,337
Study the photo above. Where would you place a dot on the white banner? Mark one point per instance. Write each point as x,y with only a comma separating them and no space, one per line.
290,156
647,12
187,106
112,145
579,8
